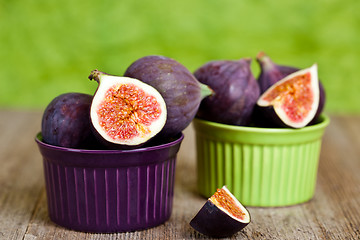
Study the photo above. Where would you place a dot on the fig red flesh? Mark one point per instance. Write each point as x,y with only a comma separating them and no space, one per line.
135,110
221,199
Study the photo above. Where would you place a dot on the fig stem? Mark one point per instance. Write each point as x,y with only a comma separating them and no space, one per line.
95,75
264,61
205,90
260,55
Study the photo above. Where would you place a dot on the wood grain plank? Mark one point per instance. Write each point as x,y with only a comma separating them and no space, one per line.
339,180
20,172
333,213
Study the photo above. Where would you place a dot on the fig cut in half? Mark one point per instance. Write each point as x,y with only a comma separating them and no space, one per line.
126,111
221,216
294,100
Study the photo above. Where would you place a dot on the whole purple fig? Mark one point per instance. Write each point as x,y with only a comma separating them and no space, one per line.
270,73
177,85
66,121
235,91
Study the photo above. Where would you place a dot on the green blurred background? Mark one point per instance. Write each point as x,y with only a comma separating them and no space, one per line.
49,47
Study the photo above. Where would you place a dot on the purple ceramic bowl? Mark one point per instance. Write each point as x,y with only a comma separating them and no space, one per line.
109,190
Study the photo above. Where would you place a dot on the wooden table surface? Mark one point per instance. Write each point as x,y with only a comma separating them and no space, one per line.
333,213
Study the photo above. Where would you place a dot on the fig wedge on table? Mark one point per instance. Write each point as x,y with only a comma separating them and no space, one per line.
221,216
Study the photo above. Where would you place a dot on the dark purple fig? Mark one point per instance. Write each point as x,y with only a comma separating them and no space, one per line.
292,101
270,73
179,88
235,91
66,121
125,112
221,216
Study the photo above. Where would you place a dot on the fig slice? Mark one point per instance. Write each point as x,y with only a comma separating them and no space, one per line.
221,216
126,111
294,100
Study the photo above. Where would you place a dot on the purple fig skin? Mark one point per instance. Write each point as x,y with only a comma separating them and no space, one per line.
66,122
235,91
213,222
270,73
105,145
266,117
177,85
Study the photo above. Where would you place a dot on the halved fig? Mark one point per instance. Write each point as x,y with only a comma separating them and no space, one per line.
221,216
292,101
125,111
271,72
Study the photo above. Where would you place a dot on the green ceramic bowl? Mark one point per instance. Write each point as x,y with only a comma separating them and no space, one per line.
260,166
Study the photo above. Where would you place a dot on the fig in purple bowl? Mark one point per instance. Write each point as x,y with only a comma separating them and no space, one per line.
181,91
125,112
66,121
